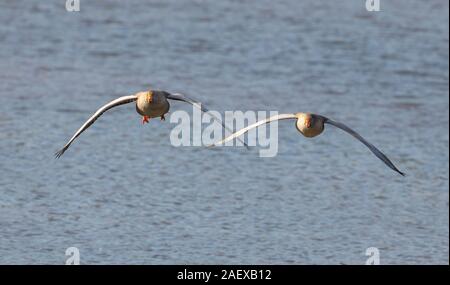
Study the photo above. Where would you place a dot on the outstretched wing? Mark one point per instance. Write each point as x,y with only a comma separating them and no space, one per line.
372,148
255,125
91,120
181,97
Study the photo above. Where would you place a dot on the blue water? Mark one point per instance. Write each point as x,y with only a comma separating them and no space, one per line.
123,194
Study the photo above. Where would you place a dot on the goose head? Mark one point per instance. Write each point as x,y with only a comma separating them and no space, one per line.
309,125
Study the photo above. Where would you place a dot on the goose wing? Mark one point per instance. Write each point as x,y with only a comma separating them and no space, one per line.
93,118
372,148
181,97
255,125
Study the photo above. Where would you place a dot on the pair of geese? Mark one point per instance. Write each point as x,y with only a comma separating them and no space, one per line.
155,103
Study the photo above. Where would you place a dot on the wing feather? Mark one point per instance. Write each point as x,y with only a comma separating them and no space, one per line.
93,118
181,97
372,148
255,125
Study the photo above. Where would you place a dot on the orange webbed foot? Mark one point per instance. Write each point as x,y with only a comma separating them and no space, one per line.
145,119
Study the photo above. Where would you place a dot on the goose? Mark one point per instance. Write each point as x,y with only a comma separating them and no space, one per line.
149,104
311,125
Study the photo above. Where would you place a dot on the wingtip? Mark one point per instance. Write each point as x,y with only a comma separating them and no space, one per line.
59,153
398,171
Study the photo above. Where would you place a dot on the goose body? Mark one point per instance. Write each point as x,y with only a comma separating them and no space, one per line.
309,125
152,104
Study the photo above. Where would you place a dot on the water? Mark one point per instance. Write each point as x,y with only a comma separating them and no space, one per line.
123,194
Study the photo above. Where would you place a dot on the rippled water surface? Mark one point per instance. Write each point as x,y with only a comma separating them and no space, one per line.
124,194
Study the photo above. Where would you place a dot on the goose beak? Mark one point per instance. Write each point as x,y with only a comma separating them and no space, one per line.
149,97
308,122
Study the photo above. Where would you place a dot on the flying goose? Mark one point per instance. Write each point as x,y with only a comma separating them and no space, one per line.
311,125
149,104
